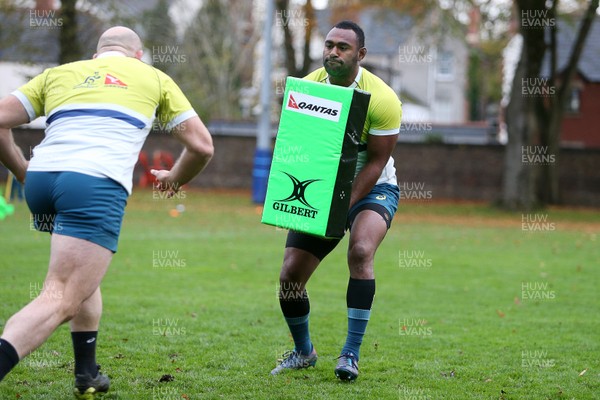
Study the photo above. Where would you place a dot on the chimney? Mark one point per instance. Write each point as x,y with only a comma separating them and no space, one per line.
45,5
474,26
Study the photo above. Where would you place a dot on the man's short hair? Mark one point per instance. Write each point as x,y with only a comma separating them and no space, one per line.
360,34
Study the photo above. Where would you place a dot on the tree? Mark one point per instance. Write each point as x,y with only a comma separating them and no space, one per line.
308,22
535,120
70,50
160,36
218,46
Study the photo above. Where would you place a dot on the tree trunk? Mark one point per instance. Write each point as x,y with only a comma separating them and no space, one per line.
518,187
524,119
69,45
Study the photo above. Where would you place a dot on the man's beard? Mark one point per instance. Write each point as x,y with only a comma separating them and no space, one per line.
338,68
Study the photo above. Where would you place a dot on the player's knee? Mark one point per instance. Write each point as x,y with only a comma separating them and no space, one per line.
68,310
291,273
360,254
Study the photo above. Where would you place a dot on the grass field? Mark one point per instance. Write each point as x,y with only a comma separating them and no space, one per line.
472,303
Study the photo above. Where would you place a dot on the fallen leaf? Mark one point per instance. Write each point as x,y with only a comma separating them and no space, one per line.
500,313
517,301
583,372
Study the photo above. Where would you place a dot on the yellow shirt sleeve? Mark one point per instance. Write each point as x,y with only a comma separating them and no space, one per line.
34,91
386,114
174,107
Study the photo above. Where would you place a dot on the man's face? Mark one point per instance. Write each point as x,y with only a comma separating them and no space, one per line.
341,53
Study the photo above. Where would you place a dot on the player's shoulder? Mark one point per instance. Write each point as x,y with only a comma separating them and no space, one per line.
318,75
377,87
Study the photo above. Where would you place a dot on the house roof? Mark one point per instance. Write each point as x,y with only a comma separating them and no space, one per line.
371,20
589,62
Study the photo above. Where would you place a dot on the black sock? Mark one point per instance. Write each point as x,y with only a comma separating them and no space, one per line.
8,358
294,303
360,293
296,308
84,348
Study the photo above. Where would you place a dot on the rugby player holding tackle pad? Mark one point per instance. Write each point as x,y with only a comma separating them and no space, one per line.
373,202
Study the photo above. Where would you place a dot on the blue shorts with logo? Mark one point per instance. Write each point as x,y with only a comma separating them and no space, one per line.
77,205
383,199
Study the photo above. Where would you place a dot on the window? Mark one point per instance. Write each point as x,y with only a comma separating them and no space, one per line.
574,103
445,65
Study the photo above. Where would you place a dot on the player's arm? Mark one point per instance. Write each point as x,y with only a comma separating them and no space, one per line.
379,150
12,113
197,152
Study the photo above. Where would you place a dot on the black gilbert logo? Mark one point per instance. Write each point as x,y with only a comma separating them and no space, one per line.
299,190
299,194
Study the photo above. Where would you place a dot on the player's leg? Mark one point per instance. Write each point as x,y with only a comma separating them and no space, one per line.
75,271
302,256
85,215
84,334
370,219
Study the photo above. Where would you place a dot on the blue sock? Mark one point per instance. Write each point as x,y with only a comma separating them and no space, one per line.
359,299
299,330
357,325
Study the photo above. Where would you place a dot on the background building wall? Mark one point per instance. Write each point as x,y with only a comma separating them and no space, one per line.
446,171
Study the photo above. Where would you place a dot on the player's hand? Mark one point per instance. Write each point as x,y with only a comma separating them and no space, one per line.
165,184
21,174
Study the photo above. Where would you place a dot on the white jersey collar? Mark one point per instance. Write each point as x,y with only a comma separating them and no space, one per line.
112,53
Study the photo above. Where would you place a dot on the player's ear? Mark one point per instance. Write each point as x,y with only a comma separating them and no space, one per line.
95,55
138,54
362,52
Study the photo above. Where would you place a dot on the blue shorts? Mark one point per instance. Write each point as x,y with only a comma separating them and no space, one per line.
383,199
77,205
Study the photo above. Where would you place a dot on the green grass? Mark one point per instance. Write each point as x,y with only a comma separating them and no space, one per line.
470,332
